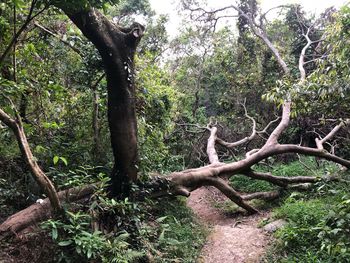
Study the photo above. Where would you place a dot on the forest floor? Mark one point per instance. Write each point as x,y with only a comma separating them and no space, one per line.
234,237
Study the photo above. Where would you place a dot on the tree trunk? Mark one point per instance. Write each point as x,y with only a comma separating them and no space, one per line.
117,47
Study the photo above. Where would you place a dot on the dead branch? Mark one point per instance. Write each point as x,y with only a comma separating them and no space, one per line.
262,195
329,136
234,196
280,180
249,138
211,151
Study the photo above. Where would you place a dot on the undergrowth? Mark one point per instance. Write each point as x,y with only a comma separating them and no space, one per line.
318,228
121,231
307,167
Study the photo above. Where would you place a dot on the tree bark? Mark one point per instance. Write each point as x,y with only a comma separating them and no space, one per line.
117,47
41,211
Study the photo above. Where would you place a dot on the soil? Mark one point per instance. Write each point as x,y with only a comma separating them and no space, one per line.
235,238
34,247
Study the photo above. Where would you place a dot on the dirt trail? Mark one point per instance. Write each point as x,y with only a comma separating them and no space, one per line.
234,238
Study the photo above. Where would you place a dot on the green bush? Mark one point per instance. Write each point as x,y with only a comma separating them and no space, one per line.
335,233
318,224
303,217
177,231
79,242
159,230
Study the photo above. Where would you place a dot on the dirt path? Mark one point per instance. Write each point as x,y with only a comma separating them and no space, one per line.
234,238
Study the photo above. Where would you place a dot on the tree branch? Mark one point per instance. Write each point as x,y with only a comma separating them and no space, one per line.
211,151
231,194
30,17
58,37
39,176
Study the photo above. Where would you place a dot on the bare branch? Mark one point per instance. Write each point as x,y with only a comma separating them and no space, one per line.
211,151
302,56
249,138
273,139
262,195
260,32
280,180
268,125
231,194
331,134
244,140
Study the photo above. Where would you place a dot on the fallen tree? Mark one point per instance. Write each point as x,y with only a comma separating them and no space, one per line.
41,210
117,47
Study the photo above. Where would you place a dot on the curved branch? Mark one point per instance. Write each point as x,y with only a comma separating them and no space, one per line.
273,139
244,140
292,148
40,177
320,142
302,56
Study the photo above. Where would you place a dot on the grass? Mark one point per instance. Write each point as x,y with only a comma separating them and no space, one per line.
308,167
310,235
181,237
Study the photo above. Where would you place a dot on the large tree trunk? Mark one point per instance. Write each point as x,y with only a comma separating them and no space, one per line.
117,48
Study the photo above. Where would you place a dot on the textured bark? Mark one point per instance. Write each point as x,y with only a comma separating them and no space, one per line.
38,212
117,47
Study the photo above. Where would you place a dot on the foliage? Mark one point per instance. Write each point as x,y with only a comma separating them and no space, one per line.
202,75
172,230
79,176
71,6
75,235
318,222
293,168
158,103
160,230
334,235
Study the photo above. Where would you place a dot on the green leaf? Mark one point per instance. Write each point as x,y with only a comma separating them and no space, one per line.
161,236
54,233
89,253
65,243
55,159
64,160
161,219
173,242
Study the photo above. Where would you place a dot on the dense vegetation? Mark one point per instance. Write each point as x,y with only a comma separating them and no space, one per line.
57,87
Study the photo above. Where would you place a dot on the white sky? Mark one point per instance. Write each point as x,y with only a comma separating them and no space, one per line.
170,7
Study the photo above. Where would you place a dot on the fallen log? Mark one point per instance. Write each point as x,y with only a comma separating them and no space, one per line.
41,211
